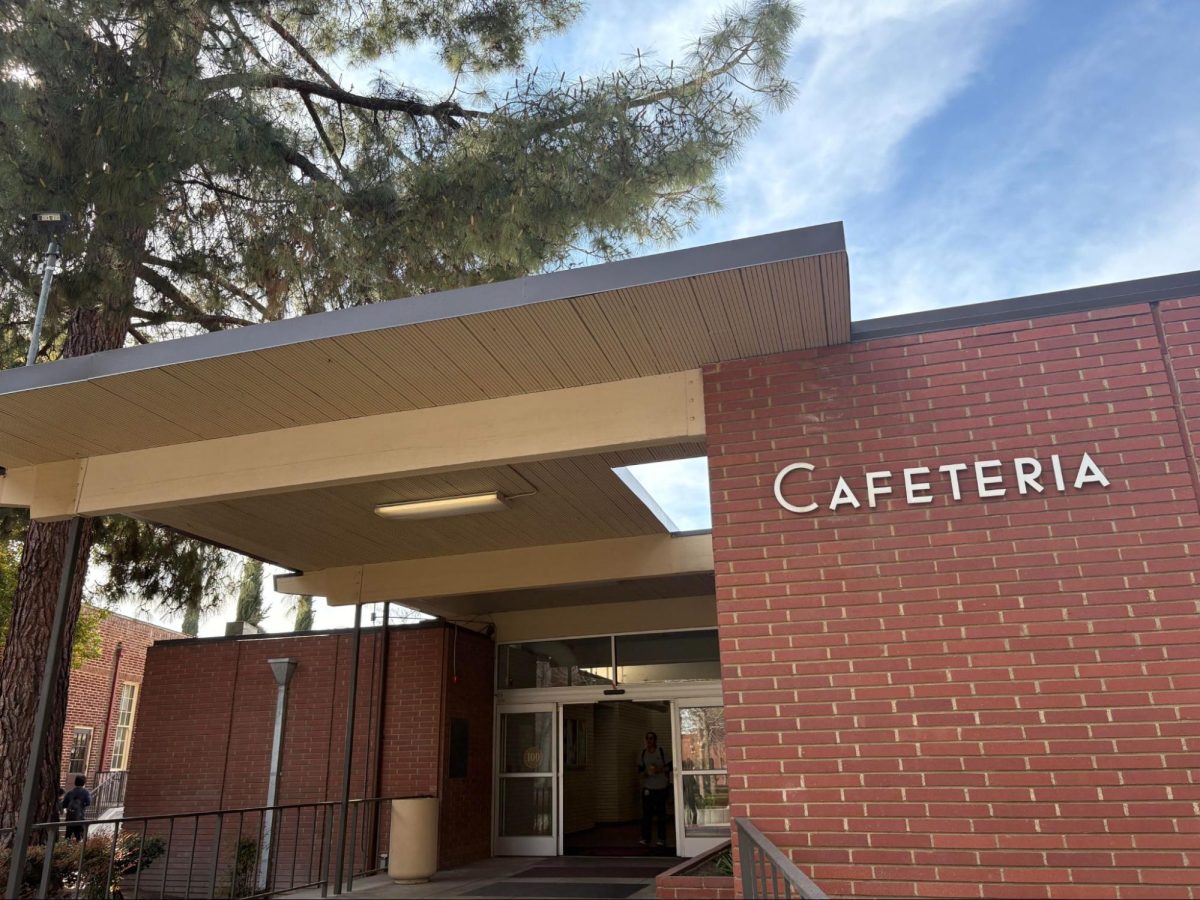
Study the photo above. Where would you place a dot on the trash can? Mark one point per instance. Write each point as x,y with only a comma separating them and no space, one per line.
414,840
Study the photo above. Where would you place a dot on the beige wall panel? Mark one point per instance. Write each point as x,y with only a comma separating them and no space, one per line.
667,614
523,567
596,418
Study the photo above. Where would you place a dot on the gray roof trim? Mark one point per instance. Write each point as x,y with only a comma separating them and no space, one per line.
1142,290
627,273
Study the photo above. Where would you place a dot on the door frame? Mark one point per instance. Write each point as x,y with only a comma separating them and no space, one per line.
677,694
685,846
528,845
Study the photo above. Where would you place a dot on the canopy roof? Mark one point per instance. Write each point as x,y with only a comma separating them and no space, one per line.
647,316
279,440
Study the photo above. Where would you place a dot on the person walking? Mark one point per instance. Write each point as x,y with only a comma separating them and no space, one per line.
75,804
654,765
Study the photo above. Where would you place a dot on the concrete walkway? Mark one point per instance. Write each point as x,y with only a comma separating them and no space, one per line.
502,877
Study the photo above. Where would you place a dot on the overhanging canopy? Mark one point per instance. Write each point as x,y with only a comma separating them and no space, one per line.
277,440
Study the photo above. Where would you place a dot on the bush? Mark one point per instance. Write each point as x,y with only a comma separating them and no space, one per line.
91,876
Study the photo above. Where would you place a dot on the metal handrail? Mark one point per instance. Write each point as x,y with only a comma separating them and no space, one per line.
210,853
109,790
766,869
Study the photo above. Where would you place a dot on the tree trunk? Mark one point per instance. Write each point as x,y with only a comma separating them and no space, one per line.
90,331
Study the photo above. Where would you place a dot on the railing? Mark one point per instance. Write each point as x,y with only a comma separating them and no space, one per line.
108,792
230,853
766,870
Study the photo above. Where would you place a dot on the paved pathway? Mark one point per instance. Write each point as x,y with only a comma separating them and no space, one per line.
585,878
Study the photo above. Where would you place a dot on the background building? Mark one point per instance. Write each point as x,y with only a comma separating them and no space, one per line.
102,708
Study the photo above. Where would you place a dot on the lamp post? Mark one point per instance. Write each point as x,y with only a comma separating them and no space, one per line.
53,224
282,669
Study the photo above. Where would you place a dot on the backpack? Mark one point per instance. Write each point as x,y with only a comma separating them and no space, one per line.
75,808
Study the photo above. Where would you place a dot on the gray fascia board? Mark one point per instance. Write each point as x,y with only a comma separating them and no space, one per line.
627,273
1033,306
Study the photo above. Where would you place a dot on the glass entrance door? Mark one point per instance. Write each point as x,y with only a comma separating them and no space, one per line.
527,780
701,779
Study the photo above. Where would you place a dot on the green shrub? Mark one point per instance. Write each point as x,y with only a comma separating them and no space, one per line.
84,869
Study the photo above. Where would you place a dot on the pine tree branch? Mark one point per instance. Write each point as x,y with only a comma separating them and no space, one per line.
211,277
193,312
294,157
446,112
211,321
333,153
301,51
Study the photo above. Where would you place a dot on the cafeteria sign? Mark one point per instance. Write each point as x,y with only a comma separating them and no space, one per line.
986,479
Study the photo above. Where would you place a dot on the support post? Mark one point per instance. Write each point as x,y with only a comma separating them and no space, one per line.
41,721
343,819
383,677
282,669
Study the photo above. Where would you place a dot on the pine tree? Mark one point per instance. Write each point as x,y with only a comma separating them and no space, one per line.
304,613
222,175
191,622
251,608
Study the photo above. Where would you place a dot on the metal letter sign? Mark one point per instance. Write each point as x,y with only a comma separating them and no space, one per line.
991,479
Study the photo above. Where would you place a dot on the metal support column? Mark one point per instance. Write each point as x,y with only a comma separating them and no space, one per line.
339,865
41,721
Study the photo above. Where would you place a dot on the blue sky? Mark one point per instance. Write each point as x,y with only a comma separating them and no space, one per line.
975,149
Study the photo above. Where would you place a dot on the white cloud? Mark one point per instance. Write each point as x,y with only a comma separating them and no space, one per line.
868,74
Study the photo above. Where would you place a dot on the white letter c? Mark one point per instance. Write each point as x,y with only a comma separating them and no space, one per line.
784,473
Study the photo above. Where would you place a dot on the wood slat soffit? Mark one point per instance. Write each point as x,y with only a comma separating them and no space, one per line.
116,403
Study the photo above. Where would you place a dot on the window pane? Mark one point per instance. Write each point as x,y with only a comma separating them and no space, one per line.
706,804
670,656
527,741
702,737
526,807
81,750
124,729
556,663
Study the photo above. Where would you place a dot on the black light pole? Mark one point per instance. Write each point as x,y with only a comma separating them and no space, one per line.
53,224
344,822
41,722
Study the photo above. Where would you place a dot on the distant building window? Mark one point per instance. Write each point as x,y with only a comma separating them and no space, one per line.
124,729
81,751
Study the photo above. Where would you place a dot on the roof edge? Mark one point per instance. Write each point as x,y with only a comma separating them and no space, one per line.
672,265
1031,306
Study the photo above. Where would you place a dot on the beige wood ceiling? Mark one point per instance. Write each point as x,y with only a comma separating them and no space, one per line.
573,595
668,326
573,499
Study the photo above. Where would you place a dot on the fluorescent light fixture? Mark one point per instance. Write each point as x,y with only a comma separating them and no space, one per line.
492,501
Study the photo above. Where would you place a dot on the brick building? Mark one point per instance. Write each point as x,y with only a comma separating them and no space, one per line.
943,638
102,704
404,705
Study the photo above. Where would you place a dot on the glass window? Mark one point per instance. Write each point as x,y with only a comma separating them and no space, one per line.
562,663
81,751
527,807
527,741
702,738
705,804
669,656
124,730
702,762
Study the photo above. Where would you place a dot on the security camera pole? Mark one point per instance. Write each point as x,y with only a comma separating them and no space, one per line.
52,223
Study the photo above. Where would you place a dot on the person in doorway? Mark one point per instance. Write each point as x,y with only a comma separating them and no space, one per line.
75,804
654,766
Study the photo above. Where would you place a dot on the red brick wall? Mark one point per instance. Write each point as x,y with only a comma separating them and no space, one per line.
203,735
92,684
983,698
